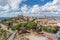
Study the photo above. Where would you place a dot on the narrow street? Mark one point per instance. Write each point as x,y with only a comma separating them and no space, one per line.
12,36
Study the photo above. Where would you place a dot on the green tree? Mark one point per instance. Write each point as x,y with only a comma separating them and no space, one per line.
31,25
16,27
49,29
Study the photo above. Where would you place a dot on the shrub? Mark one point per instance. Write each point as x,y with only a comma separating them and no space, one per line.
49,29
31,25
16,27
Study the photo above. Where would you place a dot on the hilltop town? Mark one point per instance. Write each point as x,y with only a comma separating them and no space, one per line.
23,19
23,23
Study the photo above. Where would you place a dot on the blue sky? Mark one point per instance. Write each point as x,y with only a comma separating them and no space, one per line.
34,2
11,8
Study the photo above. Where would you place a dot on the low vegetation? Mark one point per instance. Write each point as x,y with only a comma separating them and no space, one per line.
16,27
4,34
50,29
31,25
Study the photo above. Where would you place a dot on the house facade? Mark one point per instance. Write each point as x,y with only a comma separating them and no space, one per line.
46,22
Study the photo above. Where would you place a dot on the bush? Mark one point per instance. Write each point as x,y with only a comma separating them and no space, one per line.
16,27
49,29
31,25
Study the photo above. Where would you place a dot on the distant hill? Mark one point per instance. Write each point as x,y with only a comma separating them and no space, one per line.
56,17
2,18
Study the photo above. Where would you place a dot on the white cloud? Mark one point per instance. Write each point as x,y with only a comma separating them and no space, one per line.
12,14
50,8
9,5
24,9
15,4
3,2
6,7
35,9
55,5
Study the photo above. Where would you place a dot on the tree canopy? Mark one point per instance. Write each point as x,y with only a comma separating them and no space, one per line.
31,25
16,27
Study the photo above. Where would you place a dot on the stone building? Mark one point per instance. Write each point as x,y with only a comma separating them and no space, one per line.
41,21
31,18
46,21
52,22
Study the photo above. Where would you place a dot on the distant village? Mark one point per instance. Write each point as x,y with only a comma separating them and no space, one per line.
23,19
